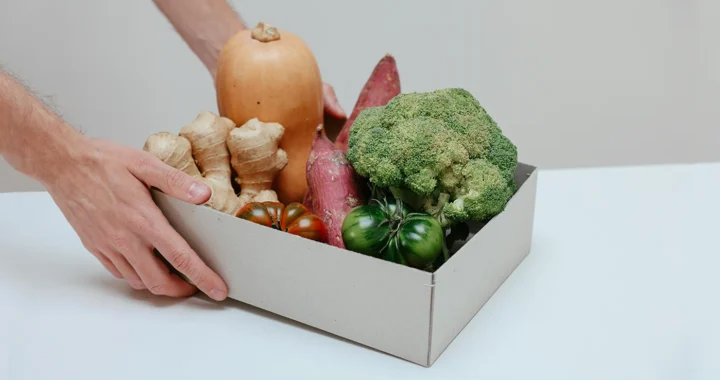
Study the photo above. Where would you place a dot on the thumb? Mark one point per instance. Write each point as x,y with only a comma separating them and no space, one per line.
172,181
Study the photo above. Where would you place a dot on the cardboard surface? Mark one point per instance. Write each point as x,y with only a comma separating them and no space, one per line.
468,280
396,309
367,300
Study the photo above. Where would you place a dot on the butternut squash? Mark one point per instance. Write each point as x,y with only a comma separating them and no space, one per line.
272,75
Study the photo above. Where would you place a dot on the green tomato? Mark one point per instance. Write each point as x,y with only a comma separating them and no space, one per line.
365,230
393,253
394,233
420,240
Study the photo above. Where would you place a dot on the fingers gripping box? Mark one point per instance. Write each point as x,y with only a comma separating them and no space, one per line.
399,310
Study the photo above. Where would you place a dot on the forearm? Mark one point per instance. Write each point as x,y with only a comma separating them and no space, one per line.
205,25
33,140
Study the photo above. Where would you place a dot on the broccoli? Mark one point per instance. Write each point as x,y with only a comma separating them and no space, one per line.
439,152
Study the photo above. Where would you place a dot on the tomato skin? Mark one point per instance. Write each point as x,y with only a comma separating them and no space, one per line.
393,253
275,210
421,240
309,226
363,231
294,218
256,213
291,214
393,232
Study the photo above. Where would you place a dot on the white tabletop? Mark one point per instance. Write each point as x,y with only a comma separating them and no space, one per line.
622,283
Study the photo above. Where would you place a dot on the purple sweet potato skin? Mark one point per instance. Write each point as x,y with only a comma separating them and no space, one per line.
333,187
307,201
382,85
328,171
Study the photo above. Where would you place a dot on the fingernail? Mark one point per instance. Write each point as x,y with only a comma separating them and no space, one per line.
217,295
197,189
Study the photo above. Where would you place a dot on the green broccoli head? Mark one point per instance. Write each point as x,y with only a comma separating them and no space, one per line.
427,144
457,108
399,156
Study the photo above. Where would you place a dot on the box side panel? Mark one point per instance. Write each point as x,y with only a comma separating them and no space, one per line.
376,303
468,280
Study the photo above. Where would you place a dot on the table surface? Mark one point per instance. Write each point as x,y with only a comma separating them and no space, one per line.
621,283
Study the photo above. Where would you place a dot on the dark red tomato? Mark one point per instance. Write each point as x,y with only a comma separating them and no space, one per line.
257,213
294,218
275,210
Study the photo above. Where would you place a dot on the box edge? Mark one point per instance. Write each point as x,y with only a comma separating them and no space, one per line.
532,178
431,325
532,175
425,279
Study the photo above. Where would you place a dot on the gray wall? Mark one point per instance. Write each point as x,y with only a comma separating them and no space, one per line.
573,83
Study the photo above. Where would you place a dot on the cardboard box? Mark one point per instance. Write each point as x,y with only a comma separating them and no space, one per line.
402,311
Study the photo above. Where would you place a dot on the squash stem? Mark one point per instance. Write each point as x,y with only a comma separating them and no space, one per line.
265,32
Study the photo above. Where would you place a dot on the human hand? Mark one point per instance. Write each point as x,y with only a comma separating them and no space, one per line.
103,192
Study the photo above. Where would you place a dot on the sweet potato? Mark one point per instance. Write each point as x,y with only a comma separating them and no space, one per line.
383,85
307,201
333,186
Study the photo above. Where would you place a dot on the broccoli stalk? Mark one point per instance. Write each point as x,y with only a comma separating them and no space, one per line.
433,205
439,152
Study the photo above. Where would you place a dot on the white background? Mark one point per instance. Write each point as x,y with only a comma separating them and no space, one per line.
573,83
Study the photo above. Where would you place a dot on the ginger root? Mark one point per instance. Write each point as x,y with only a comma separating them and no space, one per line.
172,150
211,147
256,158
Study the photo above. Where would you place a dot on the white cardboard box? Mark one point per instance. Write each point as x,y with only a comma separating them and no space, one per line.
402,311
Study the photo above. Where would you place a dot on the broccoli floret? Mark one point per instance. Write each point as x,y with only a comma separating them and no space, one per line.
482,195
438,151
460,111
376,160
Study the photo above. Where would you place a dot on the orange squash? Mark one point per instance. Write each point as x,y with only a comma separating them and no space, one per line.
272,75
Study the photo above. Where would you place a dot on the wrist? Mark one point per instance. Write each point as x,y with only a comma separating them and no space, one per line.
35,141
48,162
